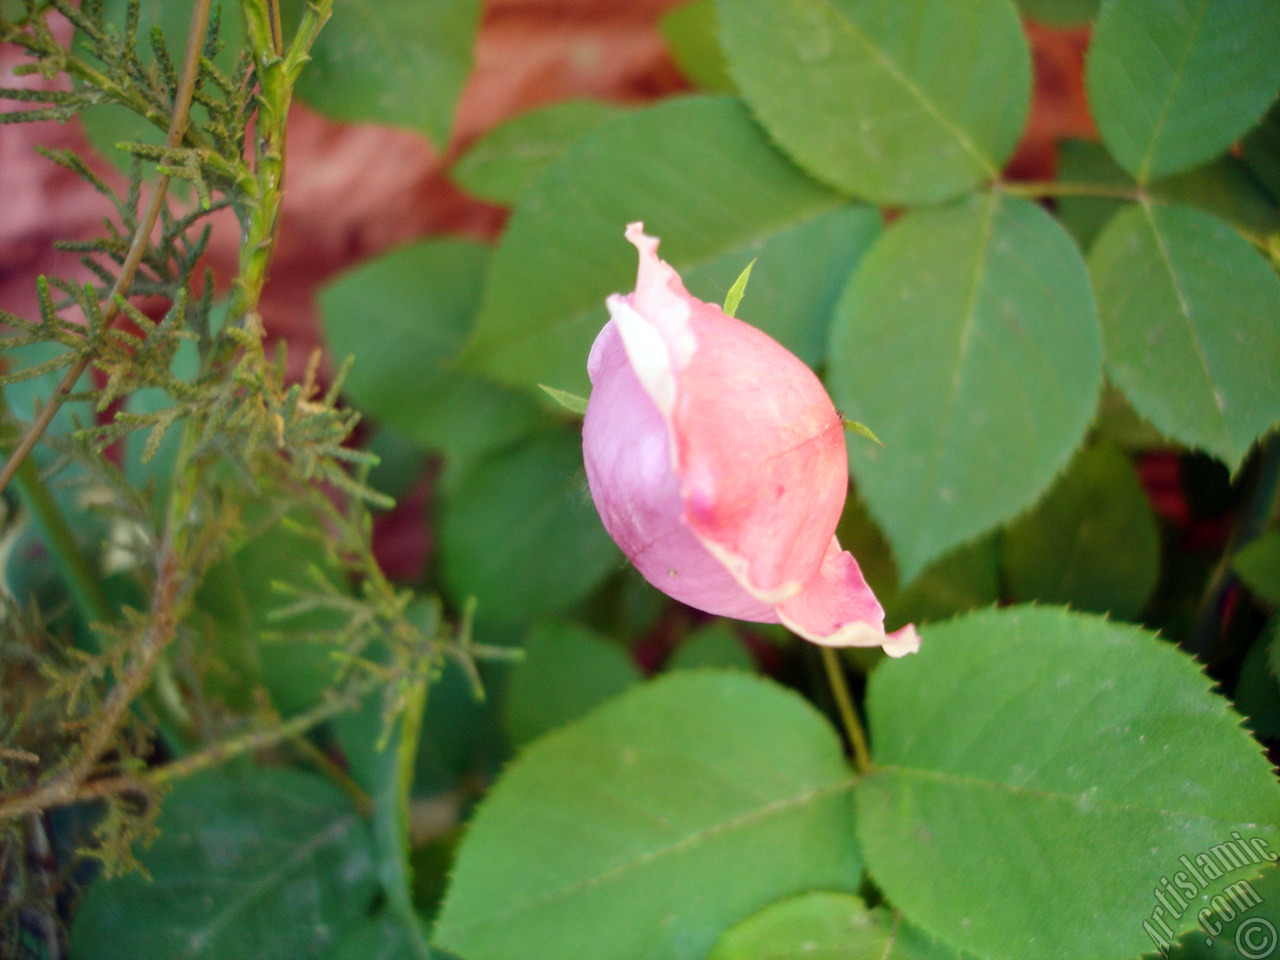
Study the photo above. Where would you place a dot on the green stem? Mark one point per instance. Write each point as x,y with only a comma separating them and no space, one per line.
1061,188
1268,245
848,714
221,752
277,72
81,581
391,814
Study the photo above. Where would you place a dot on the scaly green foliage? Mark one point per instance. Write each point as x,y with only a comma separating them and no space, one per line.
109,700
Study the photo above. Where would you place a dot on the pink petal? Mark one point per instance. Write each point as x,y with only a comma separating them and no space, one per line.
764,481
758,446
836,608
627,453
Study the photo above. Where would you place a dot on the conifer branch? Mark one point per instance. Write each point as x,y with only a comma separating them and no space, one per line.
138,247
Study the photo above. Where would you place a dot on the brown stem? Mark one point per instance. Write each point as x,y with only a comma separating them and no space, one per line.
141,238
146,783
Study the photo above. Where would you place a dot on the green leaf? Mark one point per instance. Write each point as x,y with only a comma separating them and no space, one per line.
1172,83
625,607
566,671
827,926
968,336
1261,152
401,463
570,401
261,863
962,579
405,317
862,430
241,593
462,738
692,32
1258,565
507,160
475,418
682,167
715,645
1225,187
383,937
1037,772
1092,543
1118,424
396,62
1059,13
637,831
734,296
797,278
914,101
1257,692
1240,926
1188,308
521,535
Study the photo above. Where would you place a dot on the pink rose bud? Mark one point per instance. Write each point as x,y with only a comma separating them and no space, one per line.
717,463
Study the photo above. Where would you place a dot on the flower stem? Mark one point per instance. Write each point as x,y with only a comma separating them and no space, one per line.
848,714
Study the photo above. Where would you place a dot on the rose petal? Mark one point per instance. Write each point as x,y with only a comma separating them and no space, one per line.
763,487
836,608
627,452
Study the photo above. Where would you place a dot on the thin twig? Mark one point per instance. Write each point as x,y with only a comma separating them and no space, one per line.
320,760
141,239
149,781
277,32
